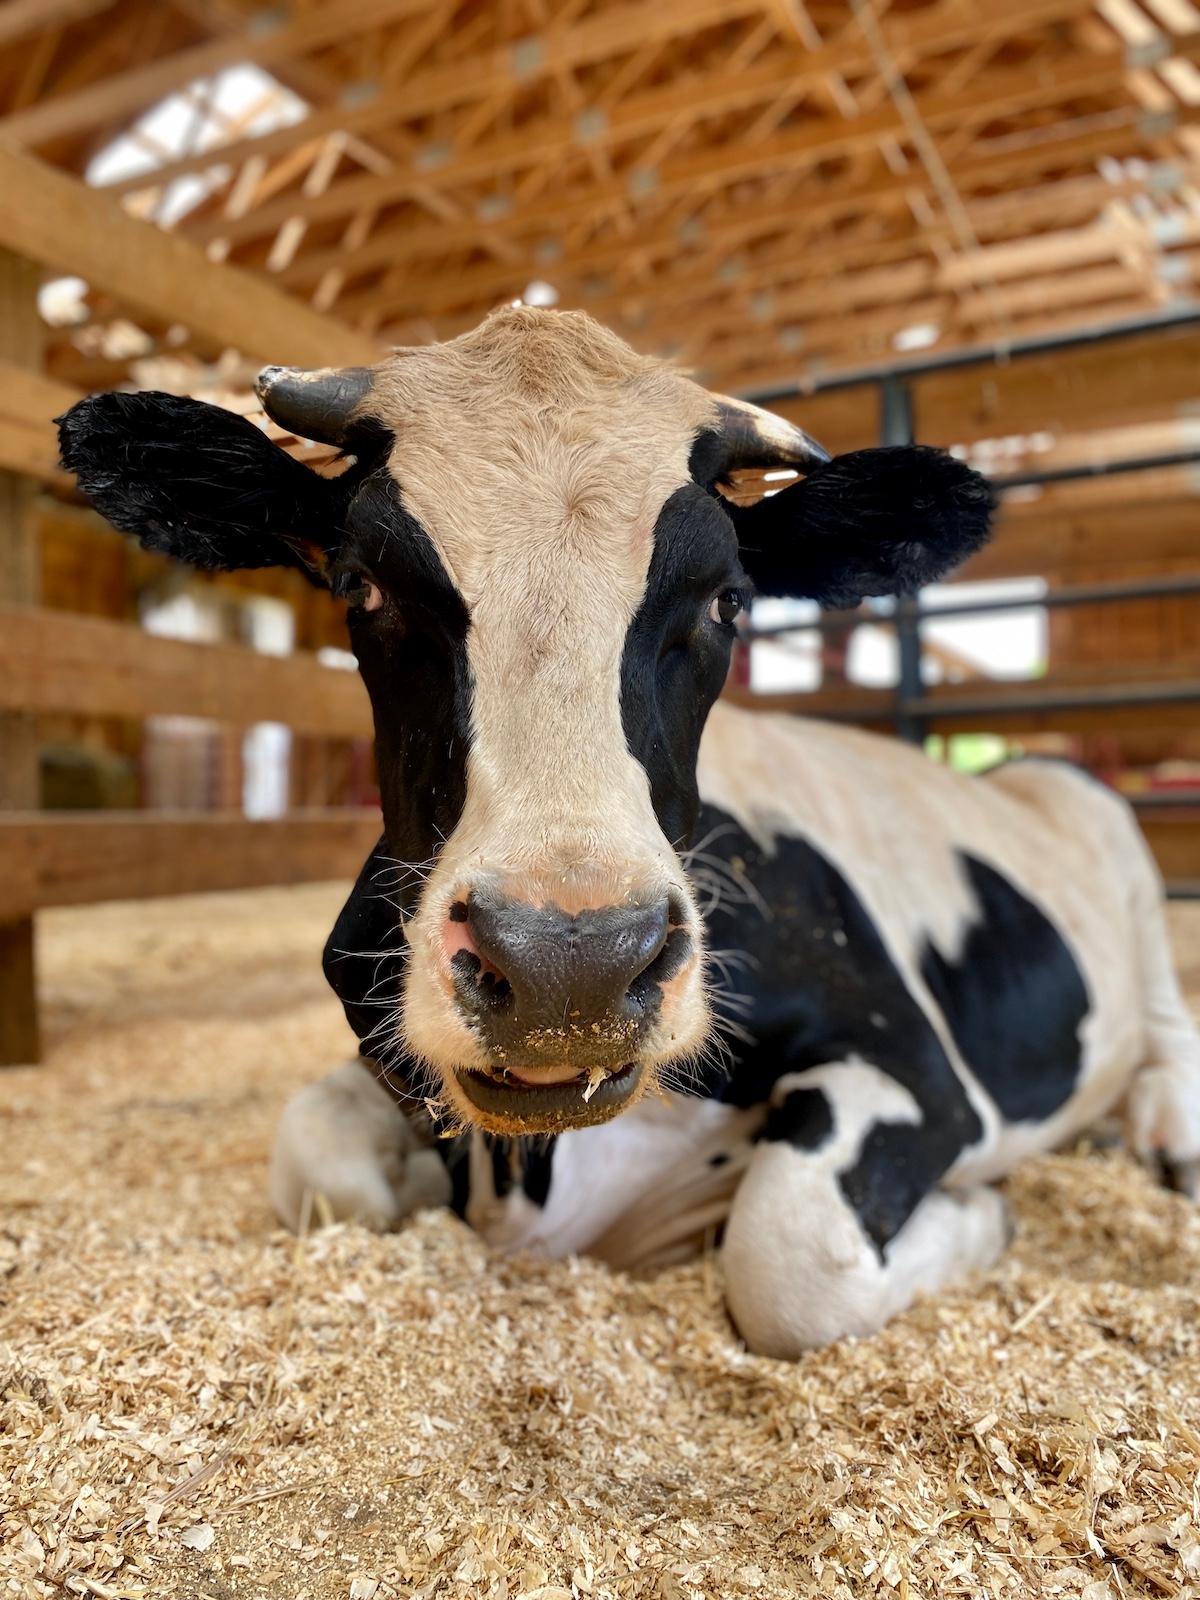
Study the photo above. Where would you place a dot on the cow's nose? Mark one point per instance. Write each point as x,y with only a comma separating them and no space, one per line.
550,986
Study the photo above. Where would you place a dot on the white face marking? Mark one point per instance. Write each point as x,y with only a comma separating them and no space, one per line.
537,453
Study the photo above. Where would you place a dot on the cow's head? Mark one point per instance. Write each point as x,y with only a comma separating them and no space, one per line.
543,585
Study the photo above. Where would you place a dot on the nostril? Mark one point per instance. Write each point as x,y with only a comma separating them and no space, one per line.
644,937
477,981
669,960
477,978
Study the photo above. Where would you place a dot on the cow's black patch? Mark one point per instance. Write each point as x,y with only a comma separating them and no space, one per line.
1015,1000
456,1156
365,956
676,658
412,653
505,1157
527,1163
891,1177
819,987
804,1118
413,658
537,1168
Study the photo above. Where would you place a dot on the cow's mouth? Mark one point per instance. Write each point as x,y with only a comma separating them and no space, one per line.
510,1105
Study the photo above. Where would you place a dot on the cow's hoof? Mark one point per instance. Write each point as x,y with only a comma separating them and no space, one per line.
1162,1120
1182,1176
344,1151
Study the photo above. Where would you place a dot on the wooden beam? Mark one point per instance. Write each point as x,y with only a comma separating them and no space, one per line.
1055,291
26,395
831,339
1006,93
21,344
122,94
1056,252
1062,544
32,450
1156,436
794,72
28,442
21,17
58,221
55,662
796,257
872,197
64,860
1174,837
499,72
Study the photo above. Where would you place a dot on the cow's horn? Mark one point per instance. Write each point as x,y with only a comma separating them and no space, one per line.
322,403
752,437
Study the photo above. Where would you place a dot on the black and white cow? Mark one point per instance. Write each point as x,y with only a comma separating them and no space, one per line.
631,969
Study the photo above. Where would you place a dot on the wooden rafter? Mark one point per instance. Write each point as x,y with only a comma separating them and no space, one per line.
57,220
734,181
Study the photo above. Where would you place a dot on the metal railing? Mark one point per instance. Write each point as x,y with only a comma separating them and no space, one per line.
913,709
906,614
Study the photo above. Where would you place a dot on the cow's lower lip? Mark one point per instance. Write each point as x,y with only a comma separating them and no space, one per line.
516,1107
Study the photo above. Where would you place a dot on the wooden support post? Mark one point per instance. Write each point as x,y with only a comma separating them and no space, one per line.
20,343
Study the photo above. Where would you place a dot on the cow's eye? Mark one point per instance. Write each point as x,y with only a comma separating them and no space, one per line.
359,592
725,607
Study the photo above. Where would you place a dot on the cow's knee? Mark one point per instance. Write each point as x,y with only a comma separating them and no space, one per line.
798,1267
801,1272
344,1149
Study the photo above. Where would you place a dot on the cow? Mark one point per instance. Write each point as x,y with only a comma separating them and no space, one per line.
632,969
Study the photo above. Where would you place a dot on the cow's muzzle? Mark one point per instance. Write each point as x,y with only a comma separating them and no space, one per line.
562,1004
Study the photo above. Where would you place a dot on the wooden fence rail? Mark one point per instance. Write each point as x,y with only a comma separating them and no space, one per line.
52,662
68,858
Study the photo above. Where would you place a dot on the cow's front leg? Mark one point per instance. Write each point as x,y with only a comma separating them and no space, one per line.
344,1149
838,1223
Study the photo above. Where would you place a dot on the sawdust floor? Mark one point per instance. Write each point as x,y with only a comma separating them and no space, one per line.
193,1404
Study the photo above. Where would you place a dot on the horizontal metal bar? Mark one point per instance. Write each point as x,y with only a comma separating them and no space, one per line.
777,630
1165,799
1083,699
1096,469
983,355
1090,594
1083,594
1183,888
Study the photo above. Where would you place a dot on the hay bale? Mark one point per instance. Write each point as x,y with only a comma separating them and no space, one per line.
194,1404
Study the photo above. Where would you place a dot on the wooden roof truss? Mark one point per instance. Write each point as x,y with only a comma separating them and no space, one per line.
768,190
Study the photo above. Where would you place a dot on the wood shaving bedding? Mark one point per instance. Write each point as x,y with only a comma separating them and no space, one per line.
194,1404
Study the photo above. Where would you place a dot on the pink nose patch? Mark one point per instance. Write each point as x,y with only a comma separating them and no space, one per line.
456,934
456,937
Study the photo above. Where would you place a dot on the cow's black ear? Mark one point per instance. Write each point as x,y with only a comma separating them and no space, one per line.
872,522
199,483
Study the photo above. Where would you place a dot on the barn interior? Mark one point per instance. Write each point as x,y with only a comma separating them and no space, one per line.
977,226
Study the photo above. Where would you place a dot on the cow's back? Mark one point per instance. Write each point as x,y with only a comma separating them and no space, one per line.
1002,899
